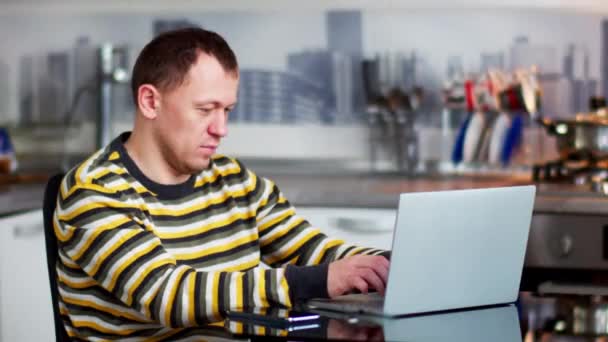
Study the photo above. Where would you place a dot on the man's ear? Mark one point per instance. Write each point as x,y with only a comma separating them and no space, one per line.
148,100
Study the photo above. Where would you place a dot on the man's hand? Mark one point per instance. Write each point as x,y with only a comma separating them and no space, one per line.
358,272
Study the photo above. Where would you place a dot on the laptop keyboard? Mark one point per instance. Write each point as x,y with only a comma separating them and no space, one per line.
371,302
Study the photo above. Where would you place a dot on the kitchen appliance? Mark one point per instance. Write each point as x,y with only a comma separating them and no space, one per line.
566,266
567,252
588,132
568,245
563,318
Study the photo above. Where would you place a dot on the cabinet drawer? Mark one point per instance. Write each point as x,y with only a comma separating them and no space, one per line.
26,312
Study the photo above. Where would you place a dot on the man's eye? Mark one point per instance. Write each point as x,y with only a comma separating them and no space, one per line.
205,110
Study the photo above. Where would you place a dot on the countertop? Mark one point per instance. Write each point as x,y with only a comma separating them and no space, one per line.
364,190
383,192
20,197
21,191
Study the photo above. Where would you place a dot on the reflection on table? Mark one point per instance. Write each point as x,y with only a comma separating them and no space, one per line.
496,324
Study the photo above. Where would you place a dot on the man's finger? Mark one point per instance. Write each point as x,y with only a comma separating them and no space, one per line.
372,278
369,261
382,272
378,264
360,284
384,261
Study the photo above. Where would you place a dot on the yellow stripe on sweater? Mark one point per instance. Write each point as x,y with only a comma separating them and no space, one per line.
143,275
276,220
131,259
272,259
99,261
280,232
215,249
108,226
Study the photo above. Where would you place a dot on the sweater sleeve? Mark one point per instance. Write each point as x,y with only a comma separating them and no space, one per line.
102,234
289,240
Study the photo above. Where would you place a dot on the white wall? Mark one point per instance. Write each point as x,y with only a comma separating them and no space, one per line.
62,6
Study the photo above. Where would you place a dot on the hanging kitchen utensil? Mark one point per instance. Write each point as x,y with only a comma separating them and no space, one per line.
499,135
513,139
473,137
458,151
486,102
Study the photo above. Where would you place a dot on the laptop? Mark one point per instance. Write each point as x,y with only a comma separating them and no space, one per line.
451,250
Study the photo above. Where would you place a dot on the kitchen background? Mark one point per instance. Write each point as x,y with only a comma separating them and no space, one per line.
301,87
300,72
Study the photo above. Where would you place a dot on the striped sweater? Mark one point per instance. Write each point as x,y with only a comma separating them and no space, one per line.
144,260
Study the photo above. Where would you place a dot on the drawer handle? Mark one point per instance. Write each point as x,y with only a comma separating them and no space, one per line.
362,226
27,230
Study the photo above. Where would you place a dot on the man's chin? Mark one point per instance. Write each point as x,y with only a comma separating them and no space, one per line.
199,165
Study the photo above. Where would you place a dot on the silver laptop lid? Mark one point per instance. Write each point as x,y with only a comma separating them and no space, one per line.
458,249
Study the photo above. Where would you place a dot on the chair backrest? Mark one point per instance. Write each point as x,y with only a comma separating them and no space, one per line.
52,253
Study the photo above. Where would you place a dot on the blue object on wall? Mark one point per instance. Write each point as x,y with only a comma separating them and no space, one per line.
457,153
513,139
6,146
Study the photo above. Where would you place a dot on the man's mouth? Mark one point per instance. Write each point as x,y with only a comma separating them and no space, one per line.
209,148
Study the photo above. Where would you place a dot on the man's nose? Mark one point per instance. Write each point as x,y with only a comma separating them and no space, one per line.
219,126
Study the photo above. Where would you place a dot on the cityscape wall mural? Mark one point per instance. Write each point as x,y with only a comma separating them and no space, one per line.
301,68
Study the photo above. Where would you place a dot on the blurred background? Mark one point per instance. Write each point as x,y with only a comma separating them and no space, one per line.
301,75
345,105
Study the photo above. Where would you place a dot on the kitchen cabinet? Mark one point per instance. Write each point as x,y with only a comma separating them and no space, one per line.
26,312
361,226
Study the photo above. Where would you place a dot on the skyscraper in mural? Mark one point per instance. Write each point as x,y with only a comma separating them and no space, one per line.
27,90
85,80
490,61
604,57
576,71
4,90
455,68
345,36
337,69
55,87
332,72
277,97
524,54
44,87
163,25
557,89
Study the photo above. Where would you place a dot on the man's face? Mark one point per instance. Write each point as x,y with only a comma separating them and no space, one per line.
193,117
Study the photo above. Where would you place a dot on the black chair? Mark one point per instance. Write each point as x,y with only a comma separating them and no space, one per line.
48,207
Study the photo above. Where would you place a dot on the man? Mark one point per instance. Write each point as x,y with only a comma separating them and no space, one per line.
158,232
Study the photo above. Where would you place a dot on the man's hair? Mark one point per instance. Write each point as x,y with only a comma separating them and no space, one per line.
165,61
